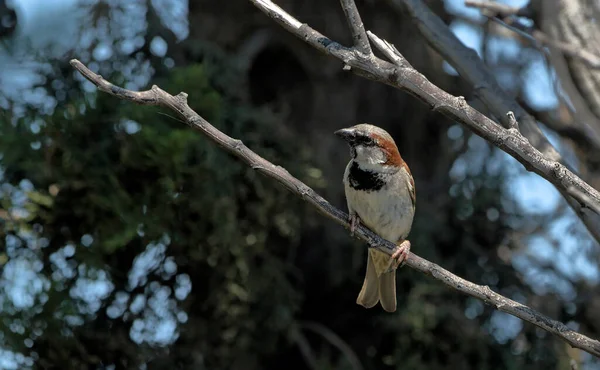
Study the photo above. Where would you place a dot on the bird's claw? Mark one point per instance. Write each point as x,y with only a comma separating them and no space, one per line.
400,256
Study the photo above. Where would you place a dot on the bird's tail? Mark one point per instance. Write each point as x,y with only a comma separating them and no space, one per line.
379,285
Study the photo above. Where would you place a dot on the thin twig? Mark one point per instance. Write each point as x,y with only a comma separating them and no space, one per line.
576,51
305,349
583,199
178,103
335,340
361,42
390,51
556,121
492,10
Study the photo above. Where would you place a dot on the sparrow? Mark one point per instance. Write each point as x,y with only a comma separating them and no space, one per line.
380,192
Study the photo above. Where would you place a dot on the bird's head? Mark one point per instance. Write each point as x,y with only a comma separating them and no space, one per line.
371,147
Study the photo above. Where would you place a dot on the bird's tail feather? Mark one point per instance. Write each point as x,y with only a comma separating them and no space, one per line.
387,291
378,286
369,293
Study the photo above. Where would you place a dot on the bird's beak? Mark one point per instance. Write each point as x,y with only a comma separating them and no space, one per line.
346,133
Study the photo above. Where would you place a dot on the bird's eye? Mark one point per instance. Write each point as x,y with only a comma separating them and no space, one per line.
364,140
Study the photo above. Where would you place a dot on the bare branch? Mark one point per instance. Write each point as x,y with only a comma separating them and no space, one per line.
178,103
305,349
389,50
476,73
582,198
570,21
561,121
335,340
574,22
456,108
361,42
590,59
412,81
276,10
493,9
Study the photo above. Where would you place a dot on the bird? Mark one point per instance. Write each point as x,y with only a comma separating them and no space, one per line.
380,194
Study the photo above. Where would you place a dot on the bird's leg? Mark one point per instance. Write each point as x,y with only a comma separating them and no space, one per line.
354,222
400,255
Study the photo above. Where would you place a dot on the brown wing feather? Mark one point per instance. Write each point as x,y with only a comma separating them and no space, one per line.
411,185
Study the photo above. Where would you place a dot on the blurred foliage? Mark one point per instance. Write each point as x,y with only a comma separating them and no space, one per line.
111,180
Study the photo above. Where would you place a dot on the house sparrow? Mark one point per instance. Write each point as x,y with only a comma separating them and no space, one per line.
380,192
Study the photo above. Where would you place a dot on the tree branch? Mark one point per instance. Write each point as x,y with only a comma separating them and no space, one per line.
563,123
335,340
574,22
408,79
471,68
477,74
158,97
492,10
590,59
361,42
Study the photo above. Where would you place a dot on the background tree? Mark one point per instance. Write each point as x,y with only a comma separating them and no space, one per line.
132,242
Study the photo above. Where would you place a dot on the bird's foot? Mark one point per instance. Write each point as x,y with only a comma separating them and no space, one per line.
354,223
400,256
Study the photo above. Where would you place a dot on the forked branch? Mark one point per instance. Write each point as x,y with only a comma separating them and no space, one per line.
158,97
406,78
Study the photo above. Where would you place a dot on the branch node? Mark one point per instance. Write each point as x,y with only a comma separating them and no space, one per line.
513,126
238,145
500,140
389,50
182,96
488,293
558,170
303,190
284,170
512,121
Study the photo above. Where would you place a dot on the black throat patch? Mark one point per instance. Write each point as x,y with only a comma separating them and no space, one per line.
360,179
